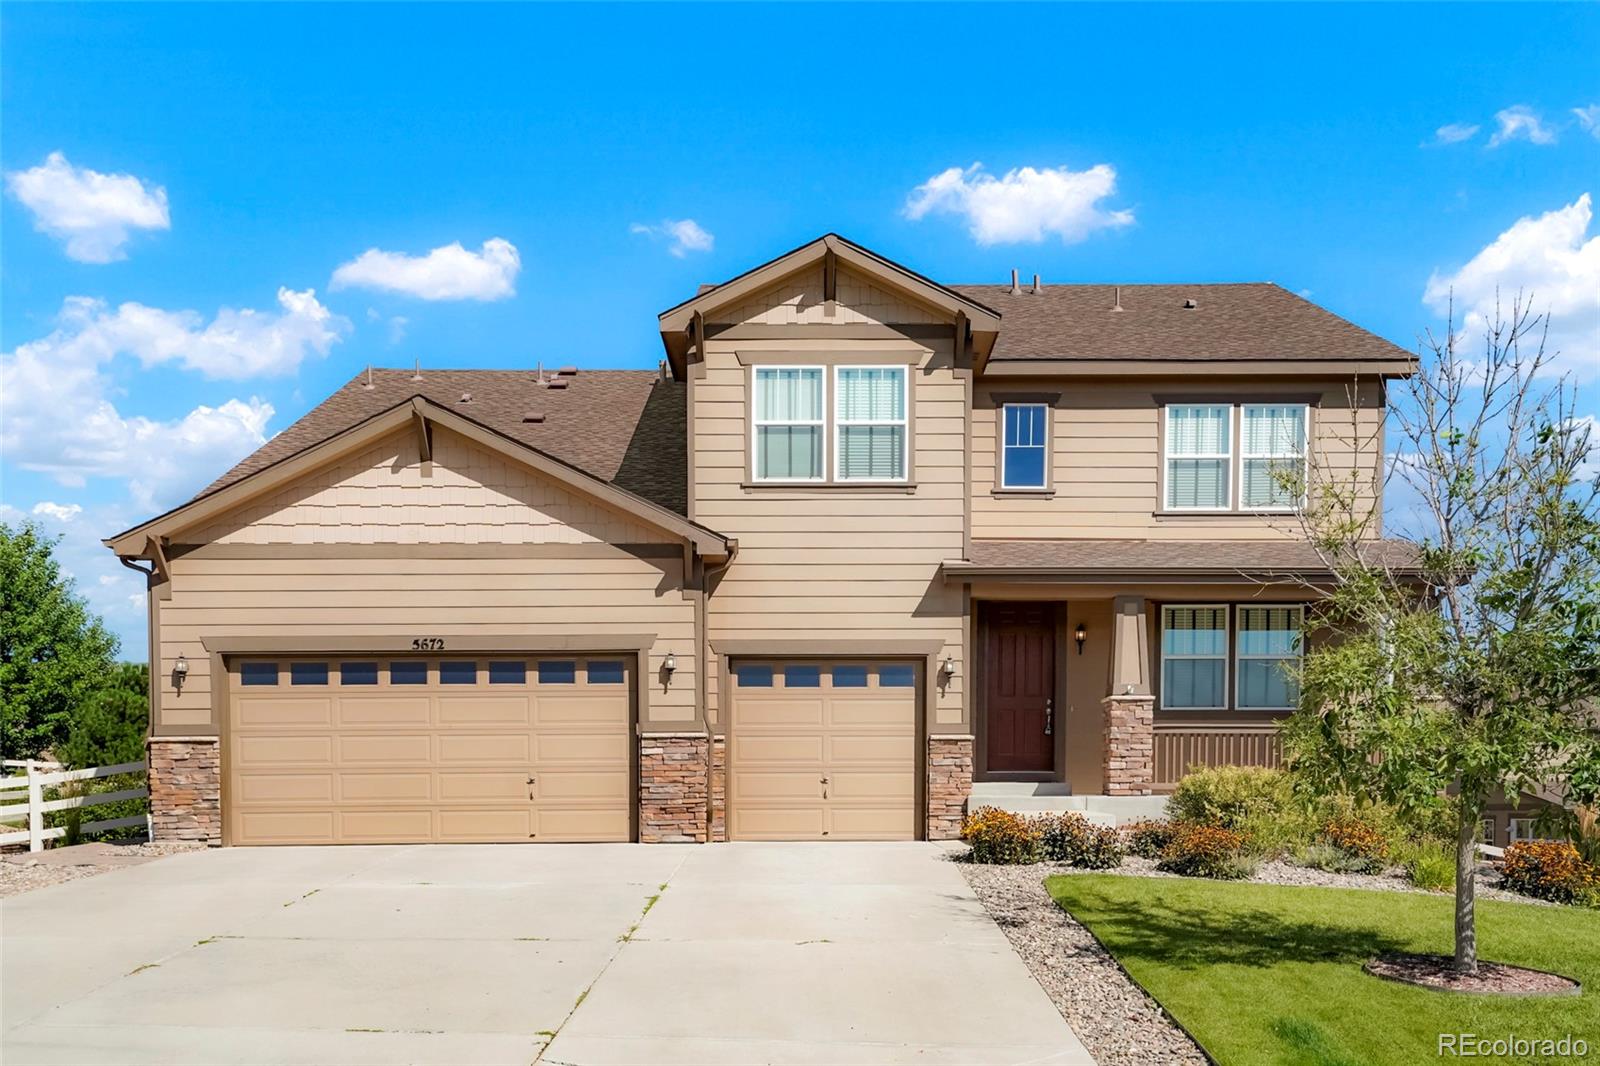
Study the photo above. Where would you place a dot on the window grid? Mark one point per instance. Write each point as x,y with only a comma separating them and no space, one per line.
758,422
841,423
1224,457
1270,455
1029,431
1297,613
1167,612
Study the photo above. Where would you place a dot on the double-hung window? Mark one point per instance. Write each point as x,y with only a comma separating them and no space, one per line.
1024,450
1272,450
1199,454
1194,657
789,424
1269,652
870,423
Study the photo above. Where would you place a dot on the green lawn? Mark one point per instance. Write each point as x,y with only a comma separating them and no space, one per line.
1270,974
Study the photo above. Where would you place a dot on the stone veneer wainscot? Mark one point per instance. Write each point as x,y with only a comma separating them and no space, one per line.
186,789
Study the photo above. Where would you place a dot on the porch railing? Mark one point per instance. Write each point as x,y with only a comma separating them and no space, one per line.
1177,748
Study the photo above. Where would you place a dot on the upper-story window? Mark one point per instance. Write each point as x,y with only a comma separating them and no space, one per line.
870,423
1273,455
1200,456
789,427
1024,452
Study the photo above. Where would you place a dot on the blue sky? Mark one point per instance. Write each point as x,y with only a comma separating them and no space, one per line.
183,185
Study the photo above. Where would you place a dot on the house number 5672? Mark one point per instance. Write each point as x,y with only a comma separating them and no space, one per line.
428,644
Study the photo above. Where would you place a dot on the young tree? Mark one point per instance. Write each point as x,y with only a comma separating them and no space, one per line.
1475,666
109,728
54,653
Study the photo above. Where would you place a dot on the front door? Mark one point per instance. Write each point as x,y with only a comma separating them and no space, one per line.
1019,666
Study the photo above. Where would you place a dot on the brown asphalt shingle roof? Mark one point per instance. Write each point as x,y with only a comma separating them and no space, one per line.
1243,321
622,426
1177,556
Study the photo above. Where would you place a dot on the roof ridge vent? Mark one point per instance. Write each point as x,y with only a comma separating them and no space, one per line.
533,417
1117,304
1016,287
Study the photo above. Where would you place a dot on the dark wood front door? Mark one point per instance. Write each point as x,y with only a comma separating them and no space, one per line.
1019,666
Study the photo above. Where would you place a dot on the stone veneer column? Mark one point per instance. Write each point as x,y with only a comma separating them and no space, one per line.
719,789
1129,745
949,784
185,789
674,779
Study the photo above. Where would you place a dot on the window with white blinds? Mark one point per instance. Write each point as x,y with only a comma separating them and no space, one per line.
788,414
1199,454
1272,448
1194,657
1269,650
870,423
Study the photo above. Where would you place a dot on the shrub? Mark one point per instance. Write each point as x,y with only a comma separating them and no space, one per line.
1429,864
1203,851
1073,839
1552,870
1359,840
1228,796
1324,856
1147,839
1000,838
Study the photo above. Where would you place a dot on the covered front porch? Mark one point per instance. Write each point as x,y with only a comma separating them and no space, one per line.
1103,671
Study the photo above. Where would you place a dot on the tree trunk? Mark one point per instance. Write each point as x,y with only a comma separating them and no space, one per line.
1466,959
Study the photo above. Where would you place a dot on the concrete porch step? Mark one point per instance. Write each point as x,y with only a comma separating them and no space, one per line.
1029,798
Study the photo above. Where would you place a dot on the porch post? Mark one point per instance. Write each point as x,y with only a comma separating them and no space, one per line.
1129,753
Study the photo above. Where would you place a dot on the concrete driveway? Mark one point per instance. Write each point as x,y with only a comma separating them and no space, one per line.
737,953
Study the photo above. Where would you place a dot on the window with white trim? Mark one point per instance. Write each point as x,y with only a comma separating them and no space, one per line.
1199,457
1521,829
1194,657
1272,455
788,416
870,423
1025,445
1268,652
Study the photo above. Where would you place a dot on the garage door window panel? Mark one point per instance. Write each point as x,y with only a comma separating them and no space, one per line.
456,672
408,672
605,672
558,671
508,672
358,673
308,673
258,674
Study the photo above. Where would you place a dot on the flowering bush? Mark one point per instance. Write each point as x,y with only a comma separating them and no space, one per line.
1203,851
1073,839
1147,839
1001,838
1552,870
1362,842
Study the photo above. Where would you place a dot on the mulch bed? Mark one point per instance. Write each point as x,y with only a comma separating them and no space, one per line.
1493,978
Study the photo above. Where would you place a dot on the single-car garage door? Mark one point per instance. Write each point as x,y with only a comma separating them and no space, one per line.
823,750
366,750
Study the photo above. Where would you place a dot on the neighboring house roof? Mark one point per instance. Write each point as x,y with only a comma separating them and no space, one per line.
626,427
1085,559
1253,321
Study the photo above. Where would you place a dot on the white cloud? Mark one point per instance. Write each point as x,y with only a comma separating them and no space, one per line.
1026,204
61,512
1521,123
447,273
1551,261
57,416
90,211
1589,118
1454,133
684,235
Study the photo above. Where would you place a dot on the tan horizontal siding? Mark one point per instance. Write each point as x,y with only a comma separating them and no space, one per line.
797,300
1106,462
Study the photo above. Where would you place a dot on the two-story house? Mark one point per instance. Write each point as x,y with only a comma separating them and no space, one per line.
865,547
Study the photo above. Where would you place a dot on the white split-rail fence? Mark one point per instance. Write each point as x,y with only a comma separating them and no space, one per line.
37,776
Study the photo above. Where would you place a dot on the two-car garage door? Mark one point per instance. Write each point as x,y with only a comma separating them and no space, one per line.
823,750
364,750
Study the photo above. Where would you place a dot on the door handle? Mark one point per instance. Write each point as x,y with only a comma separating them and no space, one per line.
531,781
824,786
1049,717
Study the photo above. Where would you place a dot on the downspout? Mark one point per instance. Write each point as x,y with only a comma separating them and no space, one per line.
702,681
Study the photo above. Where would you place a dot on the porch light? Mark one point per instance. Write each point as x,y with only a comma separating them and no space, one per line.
1080,635
948,667
180,671
670,663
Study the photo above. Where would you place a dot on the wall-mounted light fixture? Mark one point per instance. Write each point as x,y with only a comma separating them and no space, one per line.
1080,635
180,671
947,669
670,663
